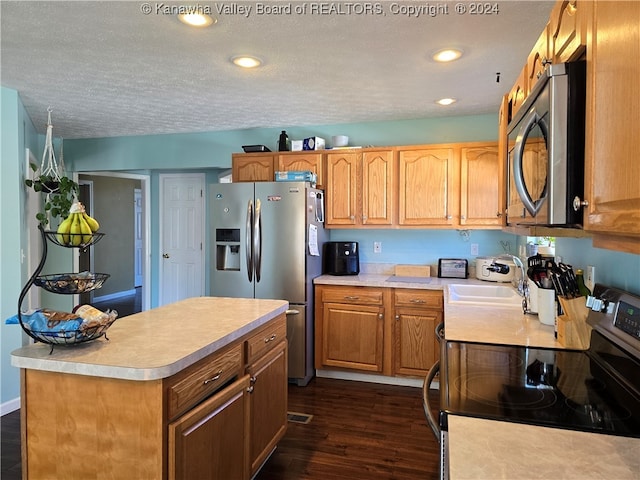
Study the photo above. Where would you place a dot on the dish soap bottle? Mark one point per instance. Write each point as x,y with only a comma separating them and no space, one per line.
582,288
283,142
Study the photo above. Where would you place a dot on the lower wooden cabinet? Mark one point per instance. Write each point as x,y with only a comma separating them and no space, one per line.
384,331
417,313
267,404
210,441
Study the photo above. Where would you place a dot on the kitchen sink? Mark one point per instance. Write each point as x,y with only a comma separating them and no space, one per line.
504,295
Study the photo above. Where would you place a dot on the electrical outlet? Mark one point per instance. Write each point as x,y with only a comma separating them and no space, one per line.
474,249
590,277
377,247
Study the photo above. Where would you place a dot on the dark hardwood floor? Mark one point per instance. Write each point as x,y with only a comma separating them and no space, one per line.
359,431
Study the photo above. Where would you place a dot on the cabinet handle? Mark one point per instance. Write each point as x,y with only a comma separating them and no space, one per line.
250,389
463,217
214,378
416,300
578,203
498,214
252,379
270,339
364,219
380,316
397,317
351,297
448,217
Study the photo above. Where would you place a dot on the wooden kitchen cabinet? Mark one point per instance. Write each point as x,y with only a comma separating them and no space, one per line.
567,29
428,187
612,172
417,313
480,171
253,167
268,400
210,442
518,93
360,188
303,161
350,328
538,59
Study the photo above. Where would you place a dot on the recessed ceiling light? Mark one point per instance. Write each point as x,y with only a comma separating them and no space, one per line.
246,61
197,19
447,55
446,101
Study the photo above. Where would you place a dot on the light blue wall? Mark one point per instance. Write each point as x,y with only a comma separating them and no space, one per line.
16,134
214,149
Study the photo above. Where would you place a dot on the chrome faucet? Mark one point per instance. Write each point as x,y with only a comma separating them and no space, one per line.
521,284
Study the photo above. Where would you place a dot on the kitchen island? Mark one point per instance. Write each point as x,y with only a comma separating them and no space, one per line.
174,393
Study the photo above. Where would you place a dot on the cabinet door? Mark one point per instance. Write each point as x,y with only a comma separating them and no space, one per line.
427,190
211,440
253,168
303,161
612,170
377,187
567,29
342,181
479,186
538,59
268,404
416,345
352,336
518,93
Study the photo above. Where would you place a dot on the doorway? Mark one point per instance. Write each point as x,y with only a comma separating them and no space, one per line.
97,195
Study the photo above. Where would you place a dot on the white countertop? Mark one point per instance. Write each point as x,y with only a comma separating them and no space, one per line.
470,323
490,449
157,343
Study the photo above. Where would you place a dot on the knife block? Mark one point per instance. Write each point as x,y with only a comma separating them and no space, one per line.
573,329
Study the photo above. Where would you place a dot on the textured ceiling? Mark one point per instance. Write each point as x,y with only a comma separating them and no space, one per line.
107,69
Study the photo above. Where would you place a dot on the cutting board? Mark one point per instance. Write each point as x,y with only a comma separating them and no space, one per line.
412,271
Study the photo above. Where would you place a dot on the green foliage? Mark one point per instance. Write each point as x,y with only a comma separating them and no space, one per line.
60,195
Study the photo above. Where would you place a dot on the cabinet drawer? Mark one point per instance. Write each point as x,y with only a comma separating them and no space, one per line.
407,297
363,295
203,379
266,339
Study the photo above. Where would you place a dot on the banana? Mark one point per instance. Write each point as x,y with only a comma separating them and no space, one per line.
76,233
85,229
64,229
92,222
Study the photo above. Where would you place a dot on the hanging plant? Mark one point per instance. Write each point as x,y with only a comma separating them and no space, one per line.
50,179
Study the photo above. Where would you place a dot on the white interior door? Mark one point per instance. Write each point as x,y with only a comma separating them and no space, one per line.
181,237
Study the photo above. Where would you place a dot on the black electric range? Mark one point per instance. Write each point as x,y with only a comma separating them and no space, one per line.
597,390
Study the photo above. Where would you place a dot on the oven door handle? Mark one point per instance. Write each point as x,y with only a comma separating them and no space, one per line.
530,120
431,419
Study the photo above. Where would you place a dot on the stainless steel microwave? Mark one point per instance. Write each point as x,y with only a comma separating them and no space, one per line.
546,150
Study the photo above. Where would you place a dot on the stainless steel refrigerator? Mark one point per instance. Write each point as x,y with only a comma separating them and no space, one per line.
267,242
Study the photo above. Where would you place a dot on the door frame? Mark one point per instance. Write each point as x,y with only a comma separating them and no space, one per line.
145,183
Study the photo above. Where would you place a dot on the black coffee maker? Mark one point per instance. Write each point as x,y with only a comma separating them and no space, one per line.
341,258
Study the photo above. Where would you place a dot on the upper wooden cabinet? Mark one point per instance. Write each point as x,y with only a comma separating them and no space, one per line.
612,182
253,167
311,161
517,94
568,29
427,187
479,186
359,190
538,59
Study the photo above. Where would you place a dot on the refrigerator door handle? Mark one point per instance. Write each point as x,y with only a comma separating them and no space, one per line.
248,240
257,240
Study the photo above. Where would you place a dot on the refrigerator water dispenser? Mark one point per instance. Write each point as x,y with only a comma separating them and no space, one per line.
228,249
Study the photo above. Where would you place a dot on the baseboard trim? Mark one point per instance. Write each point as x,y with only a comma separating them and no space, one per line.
10,406
113,296
364,377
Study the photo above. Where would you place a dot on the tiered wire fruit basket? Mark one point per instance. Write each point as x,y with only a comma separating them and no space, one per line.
66,284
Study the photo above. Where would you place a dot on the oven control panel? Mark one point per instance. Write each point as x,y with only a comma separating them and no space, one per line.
628,319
